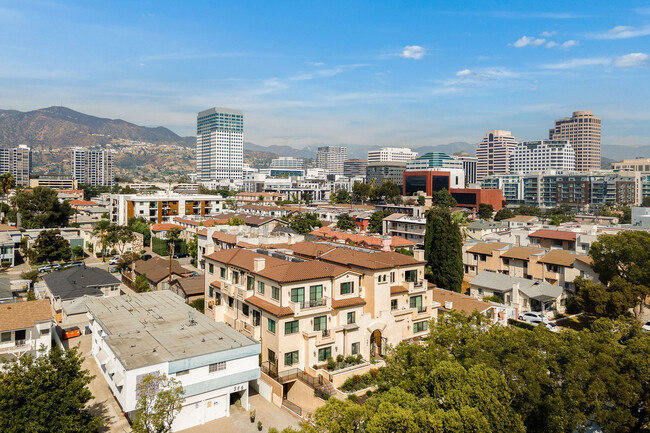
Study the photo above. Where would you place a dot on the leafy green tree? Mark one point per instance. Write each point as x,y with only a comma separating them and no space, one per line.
118,237
78,251
50,246
141,284
160,400
141,225
360,192
443,198
46,394
100,228
646,201
193,247
625,255
306,198
346,222
388,190
613,300
341,196
126,259
404,251
529,210
421,200
376,222
41,208
198,304
304,223
503,214
443,249
236,221
7,182
32,276
485,211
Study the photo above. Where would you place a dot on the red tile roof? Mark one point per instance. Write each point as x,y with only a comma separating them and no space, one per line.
554,234
163,227
265,305
78,202
373,241
348,302
395,290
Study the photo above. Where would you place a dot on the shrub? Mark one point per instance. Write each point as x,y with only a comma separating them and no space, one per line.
359,358
368,394
348,384
339,358
356,378
374,373
353,398
321,394
350,360
331,364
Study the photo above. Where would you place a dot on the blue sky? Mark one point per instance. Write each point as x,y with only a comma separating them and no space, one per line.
355,73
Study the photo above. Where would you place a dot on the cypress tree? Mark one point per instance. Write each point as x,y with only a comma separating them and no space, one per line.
443,246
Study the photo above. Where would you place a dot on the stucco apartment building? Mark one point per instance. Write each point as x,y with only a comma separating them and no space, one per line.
319,300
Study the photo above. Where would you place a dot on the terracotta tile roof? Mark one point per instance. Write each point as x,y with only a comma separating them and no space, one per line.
216,284
262,207
310,249
163,227
486,247
459,301
257,194
368,260
302,271
243,259
276,310
373,241
202,232
559,257
348,302
83,203
395,290
554,234
22,315
224,237
521,253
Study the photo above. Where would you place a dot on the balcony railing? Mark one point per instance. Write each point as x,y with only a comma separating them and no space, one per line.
311,303
325,333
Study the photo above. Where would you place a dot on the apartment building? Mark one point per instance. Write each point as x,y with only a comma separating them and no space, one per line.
355,168
25,328
162,206
582,130
493,153
542,155
409,227
92,167
18,162
219,144
321,301
331,158
377,172
156,333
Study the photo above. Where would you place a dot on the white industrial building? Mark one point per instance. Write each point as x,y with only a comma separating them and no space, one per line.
157,333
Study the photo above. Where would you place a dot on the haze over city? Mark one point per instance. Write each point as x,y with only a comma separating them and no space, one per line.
357,74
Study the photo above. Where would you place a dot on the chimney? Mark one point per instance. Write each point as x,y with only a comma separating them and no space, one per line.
385,243
259,263
515,293
418,254
449,305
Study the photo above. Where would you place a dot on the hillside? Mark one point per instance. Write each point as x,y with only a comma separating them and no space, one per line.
58,127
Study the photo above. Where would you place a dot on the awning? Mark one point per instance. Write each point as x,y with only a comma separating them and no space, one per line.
110,367
102,357
118,379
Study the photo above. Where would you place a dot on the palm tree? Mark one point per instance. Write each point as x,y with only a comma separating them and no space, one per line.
7,182
100,229
460,218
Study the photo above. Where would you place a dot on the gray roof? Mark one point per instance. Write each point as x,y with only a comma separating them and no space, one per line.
482,224
5,288
75,306
79,281
538,290
284,229
154,327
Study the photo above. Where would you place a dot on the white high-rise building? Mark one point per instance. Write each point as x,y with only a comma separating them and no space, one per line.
219,144
386,154
543,155
92,167
18,162
331,158
287,163
493,153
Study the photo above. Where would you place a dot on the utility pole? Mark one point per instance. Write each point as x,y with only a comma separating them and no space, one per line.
171,255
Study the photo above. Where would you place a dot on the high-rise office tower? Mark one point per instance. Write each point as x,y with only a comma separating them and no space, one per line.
92,167
355,168
331,158
18,162
391,154
493,153
219,144
582,130
543,155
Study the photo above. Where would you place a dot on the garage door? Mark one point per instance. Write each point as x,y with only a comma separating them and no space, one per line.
189,416
216,408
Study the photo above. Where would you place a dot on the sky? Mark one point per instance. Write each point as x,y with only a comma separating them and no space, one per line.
365,74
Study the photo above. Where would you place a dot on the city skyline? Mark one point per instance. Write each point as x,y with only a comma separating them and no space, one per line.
389,79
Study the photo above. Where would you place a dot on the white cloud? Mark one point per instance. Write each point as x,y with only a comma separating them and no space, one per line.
463,73
632,60
551,44
415,52
525,41
316,64
548,34
579,63
623,32
570,43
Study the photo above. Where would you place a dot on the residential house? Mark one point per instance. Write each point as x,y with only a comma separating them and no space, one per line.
189,288
482,255
562,239
160,230
408,227
25,328
521,221
156,333
157,270
452,301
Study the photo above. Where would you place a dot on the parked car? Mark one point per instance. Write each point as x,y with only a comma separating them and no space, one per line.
114,260
49,268
646,327
181,255
70,332
531,316
549,325
74,264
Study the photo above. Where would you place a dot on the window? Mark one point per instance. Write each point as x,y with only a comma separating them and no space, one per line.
291,327
231,301
411,276
182,373
211,268
275,293
235,277
5,336
316,293
260,287
257,318
298,295
46,331
392,277
420,326
393,304
416,302
271,325
223,272
355,348
211,291
320,323
324,353
245,310
351,317
219,366
250,283
347,288
271,356
291,358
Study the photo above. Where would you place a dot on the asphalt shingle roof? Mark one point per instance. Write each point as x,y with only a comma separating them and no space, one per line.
79,281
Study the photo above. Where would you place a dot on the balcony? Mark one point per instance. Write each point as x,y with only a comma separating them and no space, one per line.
309,306
18,346
242,293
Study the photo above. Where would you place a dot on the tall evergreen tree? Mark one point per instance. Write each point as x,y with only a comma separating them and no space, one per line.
443,247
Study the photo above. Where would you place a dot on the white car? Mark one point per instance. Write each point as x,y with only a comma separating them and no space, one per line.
646,327
114,260
531,316
550,325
